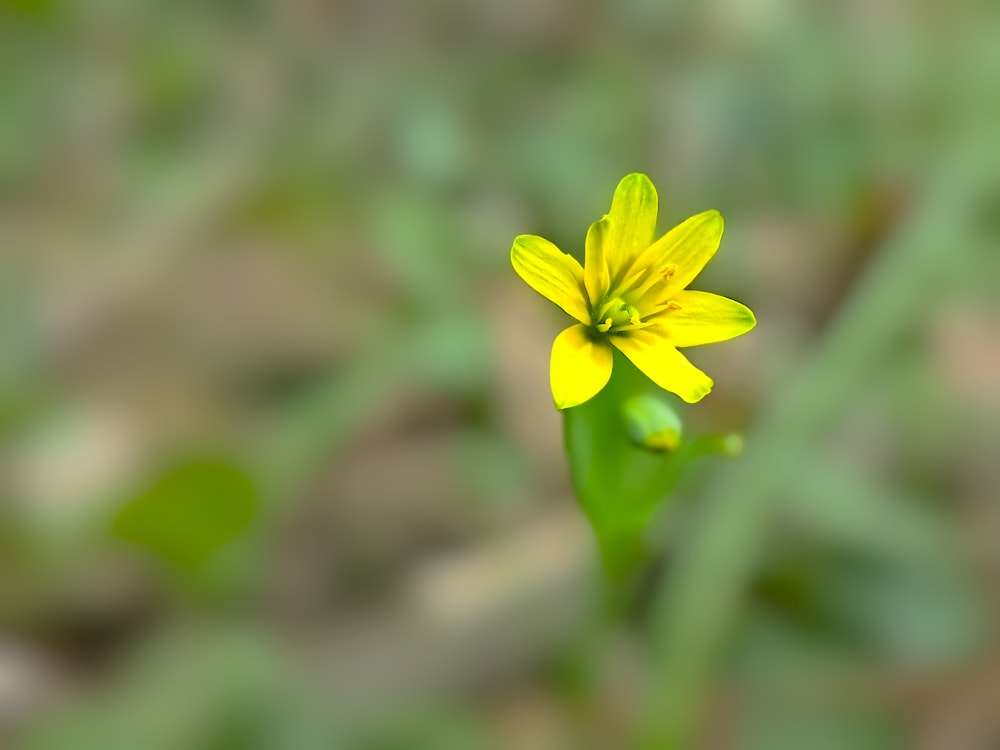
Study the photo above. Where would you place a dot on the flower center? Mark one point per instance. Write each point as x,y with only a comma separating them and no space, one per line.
616,314
631,304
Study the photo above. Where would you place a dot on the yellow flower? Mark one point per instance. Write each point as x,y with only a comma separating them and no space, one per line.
631,294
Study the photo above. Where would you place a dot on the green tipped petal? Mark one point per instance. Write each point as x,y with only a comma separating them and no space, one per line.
653,353
580,367
552,273
633,220
705,318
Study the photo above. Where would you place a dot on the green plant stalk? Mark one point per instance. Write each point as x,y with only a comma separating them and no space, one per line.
619,485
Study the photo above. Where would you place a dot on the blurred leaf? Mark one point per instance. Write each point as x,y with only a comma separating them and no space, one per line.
451,351
417,237
19,355
204,689
775,727
838,503
189,513
431,729
491,468
431,141
908,616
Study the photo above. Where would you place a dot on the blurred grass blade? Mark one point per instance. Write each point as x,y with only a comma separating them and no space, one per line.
701,598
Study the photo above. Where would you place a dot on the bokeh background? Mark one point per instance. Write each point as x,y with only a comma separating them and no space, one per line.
278,462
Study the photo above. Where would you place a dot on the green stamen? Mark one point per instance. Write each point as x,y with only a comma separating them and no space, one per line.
617,315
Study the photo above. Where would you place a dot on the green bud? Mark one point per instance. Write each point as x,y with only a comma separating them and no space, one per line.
652,423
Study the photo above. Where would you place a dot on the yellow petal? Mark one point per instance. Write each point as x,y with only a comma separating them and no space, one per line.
653,353
595,266
552,273
704,318
633,221
682,252
580,366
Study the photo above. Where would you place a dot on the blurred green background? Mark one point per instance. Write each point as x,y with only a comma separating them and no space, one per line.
278,462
